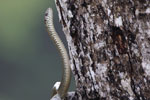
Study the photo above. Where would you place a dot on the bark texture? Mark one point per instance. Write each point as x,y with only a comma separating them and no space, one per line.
109,47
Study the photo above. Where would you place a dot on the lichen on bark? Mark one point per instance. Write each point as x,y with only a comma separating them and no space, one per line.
109,47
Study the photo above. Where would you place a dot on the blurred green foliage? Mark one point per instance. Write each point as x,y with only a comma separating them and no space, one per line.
29,61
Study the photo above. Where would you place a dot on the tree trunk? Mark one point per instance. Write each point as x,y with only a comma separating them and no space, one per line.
109,47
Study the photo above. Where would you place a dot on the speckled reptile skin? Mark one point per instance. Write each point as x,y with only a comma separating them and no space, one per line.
65,82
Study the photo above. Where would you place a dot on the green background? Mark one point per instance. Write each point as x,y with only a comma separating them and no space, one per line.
29,61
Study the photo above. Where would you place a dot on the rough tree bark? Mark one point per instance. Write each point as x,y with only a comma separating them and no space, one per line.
109,47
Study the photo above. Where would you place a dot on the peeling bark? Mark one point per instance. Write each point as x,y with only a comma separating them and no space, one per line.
109,47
